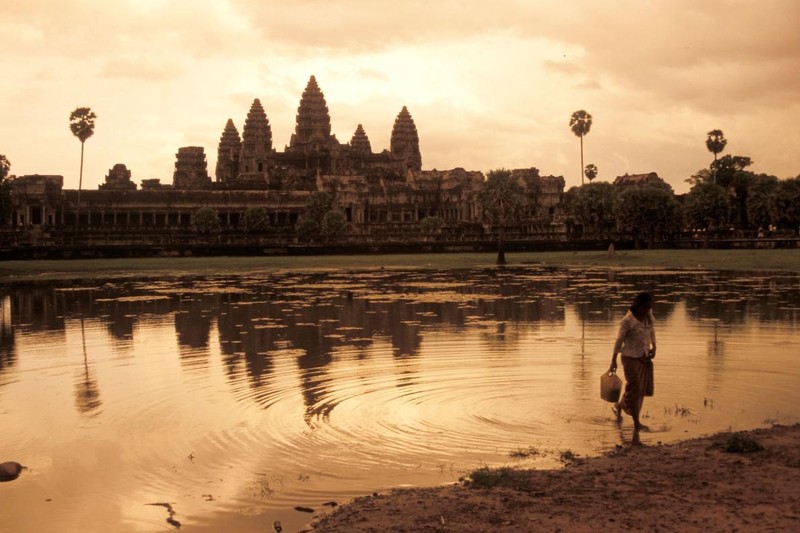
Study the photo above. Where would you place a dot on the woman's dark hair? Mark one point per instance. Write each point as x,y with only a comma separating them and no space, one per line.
642,301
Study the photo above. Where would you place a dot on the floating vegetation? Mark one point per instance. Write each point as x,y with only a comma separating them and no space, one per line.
142,298
678,411
202,290
523,453
432,285
292,352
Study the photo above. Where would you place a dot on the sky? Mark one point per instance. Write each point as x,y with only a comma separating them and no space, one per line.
489,84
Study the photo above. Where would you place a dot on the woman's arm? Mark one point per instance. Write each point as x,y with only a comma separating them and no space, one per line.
624,326
652,352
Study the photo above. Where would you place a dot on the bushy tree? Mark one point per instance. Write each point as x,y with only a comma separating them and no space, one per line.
729,173
206,221
431,224
5,167
704,174
759,199
785,204
649,211
318,204
727,167
307,228
502,203
5,189
334,225
321,218
707,207
256,220
591,206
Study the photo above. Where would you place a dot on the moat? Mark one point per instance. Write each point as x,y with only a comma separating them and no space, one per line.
236,398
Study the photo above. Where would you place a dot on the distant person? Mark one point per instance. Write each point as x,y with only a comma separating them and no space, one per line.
636,341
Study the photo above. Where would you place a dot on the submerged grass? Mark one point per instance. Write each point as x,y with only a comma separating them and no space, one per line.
787,260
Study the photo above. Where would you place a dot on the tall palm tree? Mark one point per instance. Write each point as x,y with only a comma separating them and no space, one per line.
81,122
580,122
715,142
590,171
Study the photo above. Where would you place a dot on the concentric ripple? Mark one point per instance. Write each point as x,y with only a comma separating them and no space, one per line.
236,398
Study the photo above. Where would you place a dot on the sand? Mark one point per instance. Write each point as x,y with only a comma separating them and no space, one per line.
690,486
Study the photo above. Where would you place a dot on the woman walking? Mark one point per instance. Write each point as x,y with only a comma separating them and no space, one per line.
636,341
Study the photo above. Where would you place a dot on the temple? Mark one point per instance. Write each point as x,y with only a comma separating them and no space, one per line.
383,194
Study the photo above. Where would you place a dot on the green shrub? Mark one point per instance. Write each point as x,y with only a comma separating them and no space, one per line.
740,443
485,477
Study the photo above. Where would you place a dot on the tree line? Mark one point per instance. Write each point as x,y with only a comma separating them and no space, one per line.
725,196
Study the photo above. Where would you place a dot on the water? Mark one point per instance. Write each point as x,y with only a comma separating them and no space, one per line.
235,399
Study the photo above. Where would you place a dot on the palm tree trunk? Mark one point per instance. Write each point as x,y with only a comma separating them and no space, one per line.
581,159
80,185
501,254
715,168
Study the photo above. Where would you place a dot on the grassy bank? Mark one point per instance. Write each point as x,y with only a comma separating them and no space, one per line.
741,260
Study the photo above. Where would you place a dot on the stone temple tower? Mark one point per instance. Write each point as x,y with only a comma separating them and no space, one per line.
313,130
191,169
256,145
359,144
228,152
405,141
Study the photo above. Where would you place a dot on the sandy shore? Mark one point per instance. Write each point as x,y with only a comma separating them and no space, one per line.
690,486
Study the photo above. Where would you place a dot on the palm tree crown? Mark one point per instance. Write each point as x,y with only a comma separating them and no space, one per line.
580,123
715,142
590,171
81,122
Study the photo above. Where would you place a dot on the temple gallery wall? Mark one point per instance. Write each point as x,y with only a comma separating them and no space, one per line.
379,191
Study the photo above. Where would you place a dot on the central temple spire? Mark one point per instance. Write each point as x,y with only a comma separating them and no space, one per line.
405,141
313,130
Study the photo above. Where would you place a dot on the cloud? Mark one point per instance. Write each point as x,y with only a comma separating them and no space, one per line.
141,68
488,84
562,67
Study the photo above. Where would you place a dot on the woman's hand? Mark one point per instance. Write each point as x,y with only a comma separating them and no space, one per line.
652,354
613,367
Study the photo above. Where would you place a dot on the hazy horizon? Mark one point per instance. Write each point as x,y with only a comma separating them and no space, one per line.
488,86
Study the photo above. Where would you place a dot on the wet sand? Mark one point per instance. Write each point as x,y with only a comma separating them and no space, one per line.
688,486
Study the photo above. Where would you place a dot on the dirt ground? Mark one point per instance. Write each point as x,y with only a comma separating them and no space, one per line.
690,486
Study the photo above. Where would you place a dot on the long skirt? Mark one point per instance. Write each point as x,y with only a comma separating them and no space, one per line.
638,382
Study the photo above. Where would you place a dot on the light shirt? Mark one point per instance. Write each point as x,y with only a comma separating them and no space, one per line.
635,338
